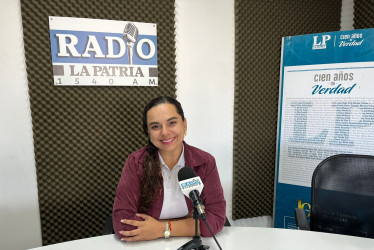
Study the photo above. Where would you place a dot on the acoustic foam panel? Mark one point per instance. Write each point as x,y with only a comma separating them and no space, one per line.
260,26
363,14
83,135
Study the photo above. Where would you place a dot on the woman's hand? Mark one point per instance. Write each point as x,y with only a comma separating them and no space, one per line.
148,229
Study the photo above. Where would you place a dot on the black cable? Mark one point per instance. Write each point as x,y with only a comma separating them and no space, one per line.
210,230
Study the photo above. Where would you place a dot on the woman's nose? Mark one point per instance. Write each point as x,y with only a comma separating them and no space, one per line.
164,130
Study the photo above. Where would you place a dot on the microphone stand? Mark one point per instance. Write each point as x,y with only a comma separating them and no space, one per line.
196,242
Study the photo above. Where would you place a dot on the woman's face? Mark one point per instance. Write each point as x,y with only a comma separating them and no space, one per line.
166,128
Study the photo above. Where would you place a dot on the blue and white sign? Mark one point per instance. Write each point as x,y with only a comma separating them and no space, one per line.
93,52
326,107
188,185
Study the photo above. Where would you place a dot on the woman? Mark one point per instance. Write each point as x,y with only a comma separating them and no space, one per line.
149,203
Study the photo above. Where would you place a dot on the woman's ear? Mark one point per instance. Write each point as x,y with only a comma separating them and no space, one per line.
185,124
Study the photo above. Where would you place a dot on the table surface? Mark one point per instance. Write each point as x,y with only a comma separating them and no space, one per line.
231,238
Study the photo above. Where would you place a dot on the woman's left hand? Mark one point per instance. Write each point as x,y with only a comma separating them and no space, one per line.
148,229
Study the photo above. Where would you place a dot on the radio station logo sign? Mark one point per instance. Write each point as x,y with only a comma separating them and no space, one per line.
93,52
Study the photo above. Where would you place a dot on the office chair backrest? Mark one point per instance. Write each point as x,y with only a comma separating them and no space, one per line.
343,196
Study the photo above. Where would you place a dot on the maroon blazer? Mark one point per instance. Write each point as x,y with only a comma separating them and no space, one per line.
128,191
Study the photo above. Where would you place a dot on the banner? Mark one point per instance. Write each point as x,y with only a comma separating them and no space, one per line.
326,107
103,52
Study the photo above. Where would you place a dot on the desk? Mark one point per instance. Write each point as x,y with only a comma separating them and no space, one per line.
231,238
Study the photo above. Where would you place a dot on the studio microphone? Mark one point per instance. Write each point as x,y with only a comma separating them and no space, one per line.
131,35
191,186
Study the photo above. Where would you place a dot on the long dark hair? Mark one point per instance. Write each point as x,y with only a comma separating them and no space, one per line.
151,182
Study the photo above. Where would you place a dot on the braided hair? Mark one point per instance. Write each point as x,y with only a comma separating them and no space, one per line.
151,180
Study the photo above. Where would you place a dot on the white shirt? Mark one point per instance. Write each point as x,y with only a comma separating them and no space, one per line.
174,205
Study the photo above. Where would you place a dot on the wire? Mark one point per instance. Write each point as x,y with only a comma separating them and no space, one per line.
210,230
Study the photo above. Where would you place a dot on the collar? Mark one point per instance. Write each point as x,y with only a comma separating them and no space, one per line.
193,156
181,161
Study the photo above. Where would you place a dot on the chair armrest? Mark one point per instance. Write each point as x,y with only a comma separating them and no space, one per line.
301,221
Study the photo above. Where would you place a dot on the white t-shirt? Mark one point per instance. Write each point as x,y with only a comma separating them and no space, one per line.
174,205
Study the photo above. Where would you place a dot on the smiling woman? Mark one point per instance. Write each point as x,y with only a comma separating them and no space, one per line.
149,203
166,129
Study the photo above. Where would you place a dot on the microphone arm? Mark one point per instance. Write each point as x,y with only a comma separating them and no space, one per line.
196,242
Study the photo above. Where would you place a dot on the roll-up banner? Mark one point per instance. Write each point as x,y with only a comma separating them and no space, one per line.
326,107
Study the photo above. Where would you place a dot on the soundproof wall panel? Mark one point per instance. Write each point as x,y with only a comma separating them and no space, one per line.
363,14
83,135
260,26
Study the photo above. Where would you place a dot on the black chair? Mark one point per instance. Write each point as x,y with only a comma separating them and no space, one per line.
342,197
227,223
108,226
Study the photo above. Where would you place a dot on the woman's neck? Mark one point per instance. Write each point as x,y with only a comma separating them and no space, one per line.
171,158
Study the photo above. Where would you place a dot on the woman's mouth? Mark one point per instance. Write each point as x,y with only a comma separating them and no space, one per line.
167,142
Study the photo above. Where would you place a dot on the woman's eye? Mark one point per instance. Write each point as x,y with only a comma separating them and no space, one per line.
155,127
172,123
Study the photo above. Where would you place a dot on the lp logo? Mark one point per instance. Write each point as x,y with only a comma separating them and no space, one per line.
320,44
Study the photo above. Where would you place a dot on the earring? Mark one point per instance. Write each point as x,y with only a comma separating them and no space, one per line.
185,132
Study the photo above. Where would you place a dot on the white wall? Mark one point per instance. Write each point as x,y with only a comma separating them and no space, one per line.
19,211
205,43
346,19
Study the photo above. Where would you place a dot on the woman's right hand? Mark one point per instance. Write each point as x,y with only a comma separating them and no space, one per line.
148,229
